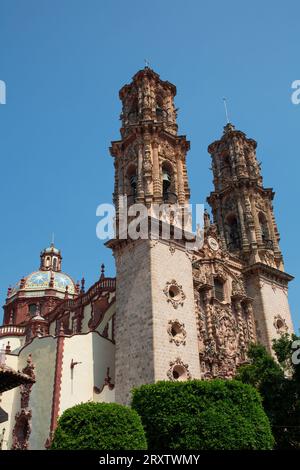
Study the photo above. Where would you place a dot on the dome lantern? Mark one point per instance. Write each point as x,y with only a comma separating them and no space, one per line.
51,259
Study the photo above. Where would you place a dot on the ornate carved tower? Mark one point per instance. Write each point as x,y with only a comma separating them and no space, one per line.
243,211
156,332
150,161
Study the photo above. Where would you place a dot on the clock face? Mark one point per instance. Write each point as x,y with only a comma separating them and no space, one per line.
214,245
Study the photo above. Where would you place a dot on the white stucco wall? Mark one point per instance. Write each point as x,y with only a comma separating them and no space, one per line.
15,342
93,354
43,351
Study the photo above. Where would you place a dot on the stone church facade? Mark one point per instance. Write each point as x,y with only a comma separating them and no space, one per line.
173,312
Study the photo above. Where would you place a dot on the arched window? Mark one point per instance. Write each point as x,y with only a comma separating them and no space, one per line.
132,183
265,234
168,183
233,233
48,261
219,289
55,263
225,168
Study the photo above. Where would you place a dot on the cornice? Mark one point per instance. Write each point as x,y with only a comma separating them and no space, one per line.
269,271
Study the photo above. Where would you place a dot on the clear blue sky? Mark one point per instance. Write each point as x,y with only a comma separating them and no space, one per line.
64,62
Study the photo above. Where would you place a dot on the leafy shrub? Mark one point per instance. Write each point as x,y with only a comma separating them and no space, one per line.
278,382
216,414
101,426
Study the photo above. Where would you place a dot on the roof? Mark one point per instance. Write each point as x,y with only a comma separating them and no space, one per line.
9,378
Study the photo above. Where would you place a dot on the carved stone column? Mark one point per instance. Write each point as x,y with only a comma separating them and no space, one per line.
257,224
181,194
140,189
155,169
271,228
245,242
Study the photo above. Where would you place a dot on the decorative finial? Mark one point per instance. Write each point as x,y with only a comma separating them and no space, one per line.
52,239
82,285
147,63
51,282
9,291
226,110
228,128
67,292
102,271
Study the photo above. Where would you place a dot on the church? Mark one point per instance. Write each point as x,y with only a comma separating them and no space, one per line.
171,312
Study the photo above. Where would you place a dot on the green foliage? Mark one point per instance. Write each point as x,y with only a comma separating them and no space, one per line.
200,415
99,426
279,386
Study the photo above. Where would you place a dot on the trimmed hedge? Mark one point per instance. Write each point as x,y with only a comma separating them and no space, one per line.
99,426
200,415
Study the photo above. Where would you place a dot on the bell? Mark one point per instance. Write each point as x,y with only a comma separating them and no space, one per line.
166,179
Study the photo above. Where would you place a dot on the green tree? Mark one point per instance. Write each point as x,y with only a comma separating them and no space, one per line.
278,382
99,426
197,414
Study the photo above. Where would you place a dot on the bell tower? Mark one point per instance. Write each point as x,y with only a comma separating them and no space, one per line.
150,159
243,211
155,329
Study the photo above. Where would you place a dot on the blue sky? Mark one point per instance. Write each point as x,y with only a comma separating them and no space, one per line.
64,62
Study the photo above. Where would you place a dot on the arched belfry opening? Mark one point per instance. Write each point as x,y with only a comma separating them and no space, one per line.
131,184
264,229
168,183
233,233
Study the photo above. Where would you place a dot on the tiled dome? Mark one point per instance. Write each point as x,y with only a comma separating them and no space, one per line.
39,281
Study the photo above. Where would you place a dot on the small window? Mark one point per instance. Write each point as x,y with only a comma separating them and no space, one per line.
174,291
179,373
279,324
32,309
219,289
